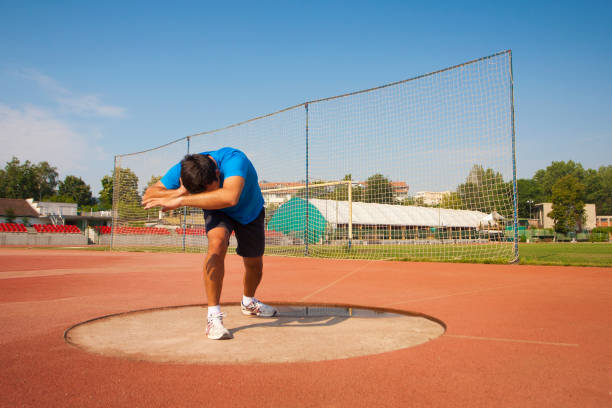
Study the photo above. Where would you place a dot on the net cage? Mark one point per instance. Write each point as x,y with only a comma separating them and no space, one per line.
420,169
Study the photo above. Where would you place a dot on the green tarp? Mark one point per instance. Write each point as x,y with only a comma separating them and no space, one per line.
290,219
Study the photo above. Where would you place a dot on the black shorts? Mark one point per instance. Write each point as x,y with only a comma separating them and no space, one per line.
251,237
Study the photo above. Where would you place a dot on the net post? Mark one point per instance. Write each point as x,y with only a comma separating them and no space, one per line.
350,213
514,186
307,203
185,209
114,204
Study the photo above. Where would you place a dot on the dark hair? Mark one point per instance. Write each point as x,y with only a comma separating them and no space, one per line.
197,172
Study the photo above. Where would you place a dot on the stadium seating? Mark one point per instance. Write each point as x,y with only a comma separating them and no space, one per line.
57,229
102,230
191,231
12,227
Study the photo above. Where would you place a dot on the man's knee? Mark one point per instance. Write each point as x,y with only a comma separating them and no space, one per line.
218,242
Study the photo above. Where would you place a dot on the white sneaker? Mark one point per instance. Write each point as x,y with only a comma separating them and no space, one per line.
215,329
257,308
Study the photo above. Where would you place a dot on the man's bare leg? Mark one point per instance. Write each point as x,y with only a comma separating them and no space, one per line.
253,271
214,264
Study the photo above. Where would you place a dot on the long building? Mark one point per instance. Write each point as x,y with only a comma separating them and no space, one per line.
372,220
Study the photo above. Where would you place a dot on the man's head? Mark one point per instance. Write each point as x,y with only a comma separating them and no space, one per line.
199,173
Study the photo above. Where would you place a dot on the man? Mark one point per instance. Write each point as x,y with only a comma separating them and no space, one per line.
224,184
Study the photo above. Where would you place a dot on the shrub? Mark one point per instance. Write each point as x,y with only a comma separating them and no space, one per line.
599,236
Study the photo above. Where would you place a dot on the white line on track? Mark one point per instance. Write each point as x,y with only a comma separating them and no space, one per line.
340,279
546,343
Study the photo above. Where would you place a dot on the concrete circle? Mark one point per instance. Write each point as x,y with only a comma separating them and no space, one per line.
299,333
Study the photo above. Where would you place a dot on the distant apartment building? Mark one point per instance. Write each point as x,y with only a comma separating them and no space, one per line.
431,197
280,192
604,221
400,190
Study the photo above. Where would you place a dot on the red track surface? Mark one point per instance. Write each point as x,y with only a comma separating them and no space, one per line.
517,336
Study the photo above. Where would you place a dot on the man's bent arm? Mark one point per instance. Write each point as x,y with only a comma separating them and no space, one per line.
227,196
224,197
158,190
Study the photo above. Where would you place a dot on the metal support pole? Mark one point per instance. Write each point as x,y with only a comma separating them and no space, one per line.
350,213
307,202
514,187
185,210
114,205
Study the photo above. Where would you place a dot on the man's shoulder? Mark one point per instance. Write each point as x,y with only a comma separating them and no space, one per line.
225,153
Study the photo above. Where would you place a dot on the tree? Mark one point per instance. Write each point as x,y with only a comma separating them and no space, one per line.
57,198
340,192
128,200
120,191
452,201
46,179
546,178
597,183
529,194
410,201
604,197
598,189
486,191
27,180
76,189
106,194
567,204
127,186
378,190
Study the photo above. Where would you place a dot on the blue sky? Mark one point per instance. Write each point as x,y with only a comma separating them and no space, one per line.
82,81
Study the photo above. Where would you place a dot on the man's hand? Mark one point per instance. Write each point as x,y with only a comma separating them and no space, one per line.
166,203
158,190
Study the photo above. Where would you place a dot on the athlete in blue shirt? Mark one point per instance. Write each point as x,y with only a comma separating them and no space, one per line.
223,183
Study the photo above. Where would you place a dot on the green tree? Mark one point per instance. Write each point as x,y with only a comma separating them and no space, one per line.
76,189
409,201
120,190
567,204
378,190
452,201
16,180
126,199
546,178
340,192
27,180
529,194
46,179
126,182
106,194
57,198
603,200
597,184
486,191
598,189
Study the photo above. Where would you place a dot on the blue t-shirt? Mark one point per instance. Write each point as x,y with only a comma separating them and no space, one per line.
231,162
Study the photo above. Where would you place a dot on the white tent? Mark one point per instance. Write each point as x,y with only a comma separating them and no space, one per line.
337,212
491,219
